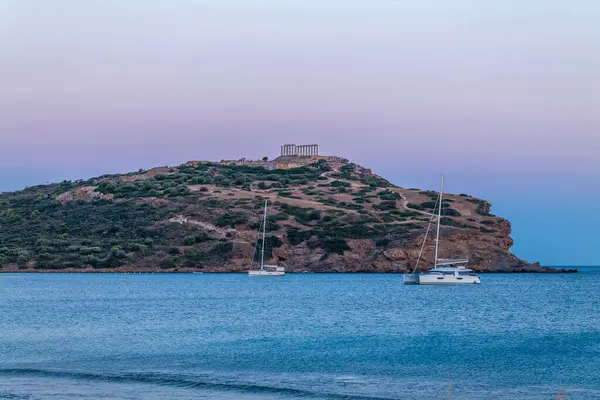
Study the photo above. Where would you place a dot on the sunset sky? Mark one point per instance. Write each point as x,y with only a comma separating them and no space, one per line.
502,96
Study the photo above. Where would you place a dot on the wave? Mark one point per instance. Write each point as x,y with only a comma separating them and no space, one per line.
12,396
179,381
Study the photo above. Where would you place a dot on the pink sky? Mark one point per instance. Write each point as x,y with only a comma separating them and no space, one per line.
508,91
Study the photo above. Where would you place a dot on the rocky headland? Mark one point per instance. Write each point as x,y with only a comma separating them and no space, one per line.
326,214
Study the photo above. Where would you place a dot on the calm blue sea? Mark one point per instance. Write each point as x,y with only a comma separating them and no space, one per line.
210,336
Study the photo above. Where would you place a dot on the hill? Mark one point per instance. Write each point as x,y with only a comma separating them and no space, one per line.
326,214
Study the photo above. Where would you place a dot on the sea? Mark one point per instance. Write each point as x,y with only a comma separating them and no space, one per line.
302,336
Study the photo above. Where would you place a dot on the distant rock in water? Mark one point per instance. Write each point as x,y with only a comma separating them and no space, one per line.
326,214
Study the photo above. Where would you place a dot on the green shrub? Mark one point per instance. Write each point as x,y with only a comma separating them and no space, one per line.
340,184
231,219
278,217
295,236
173,251
336,245
168,263
450,212
482,207
382,242
351,206
92,261
428,204
386,205
222,250
329,201
404,214
302,215
450,222
138,248
389,195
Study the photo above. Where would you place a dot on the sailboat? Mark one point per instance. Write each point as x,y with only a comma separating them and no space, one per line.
266,270
444,271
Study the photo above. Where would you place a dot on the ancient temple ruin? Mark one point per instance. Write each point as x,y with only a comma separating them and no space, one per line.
302,150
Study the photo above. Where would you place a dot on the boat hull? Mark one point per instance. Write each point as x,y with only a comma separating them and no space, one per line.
425,279
266,273
451,280
268,270
411,279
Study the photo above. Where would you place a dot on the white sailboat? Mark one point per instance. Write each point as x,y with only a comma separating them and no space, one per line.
444,271
266,270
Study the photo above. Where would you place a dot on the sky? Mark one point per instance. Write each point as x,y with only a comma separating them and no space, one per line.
502,96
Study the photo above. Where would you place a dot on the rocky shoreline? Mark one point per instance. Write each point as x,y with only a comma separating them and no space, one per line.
125,271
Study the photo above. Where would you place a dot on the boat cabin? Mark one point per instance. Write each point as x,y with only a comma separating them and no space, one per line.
273,268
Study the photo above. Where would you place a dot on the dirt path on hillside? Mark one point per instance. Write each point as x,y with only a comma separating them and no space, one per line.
405,204
229,194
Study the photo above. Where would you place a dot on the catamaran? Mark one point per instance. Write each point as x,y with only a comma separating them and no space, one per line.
444,271
266,270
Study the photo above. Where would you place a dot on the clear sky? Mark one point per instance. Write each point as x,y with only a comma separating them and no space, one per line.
503,96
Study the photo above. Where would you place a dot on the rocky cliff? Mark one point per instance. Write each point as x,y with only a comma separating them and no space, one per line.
326,214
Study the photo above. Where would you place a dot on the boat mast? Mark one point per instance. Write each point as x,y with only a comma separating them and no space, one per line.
437,237
262,252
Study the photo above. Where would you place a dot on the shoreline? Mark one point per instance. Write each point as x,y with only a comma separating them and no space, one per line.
127,272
